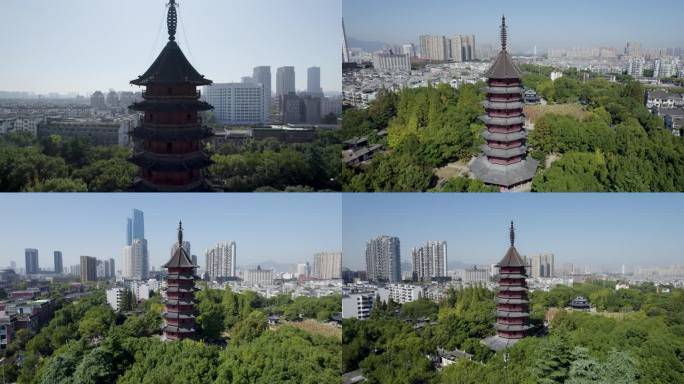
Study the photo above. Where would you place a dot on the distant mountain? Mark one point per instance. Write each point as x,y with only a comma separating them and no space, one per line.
367,46
455,264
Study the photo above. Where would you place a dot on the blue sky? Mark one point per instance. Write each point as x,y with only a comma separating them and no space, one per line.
587,229
545,23
86,45
285,228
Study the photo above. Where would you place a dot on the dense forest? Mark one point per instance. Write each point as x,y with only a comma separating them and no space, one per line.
615,145
86,342
57,164
636,335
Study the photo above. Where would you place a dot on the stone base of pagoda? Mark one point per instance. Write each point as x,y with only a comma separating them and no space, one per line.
497,343
506,176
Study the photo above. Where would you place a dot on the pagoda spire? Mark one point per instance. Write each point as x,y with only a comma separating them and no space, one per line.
180,233
504,33
172,19
512,234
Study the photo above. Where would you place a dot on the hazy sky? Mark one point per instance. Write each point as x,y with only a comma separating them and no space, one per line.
285,228
588,229
86,45
557,23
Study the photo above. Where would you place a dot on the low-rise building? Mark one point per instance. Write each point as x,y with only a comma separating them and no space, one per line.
357,305
97,131
115,298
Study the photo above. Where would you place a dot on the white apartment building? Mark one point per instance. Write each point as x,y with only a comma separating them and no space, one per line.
430,260
401,293
328,265
237,103
389,60
262,75
357,306
221,260
259,276
115,297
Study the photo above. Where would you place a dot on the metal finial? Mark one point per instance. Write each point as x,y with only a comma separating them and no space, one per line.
504,33
180,233
172,19
512,234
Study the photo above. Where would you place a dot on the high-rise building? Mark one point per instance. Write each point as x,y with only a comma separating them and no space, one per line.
237,103
327,265
259,276
430,260
512,305
456,48
179,304
58,262
313,81
303,270
542,266
31,256
504,161
470,46
168,143
135,260
433,48
221,260
88,269
285,81
383,259
135,228
262,75
635,67
112,268
112,99
408,49
97,100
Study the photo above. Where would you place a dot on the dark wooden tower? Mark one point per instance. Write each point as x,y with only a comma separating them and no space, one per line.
168,143
504,159
179,305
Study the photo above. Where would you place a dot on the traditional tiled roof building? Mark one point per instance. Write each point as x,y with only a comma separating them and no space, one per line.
512,304
504,159
179,305
168,143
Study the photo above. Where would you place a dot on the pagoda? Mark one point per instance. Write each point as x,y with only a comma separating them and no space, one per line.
179,304
168,141
512,305
504,161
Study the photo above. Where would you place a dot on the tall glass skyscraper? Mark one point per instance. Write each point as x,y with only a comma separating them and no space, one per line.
135,227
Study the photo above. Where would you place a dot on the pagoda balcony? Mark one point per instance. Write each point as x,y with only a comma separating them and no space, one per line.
503,105
496,136
144,185
511,301
504,144
503,153
181,289
519,276
505,128
171,105
512,328
165,132
504,90
511,314
171,163
500,161
153,95
512,289
489,120
180,276
157,124
177,315
504,113
493,82
511,283
181,330
504,98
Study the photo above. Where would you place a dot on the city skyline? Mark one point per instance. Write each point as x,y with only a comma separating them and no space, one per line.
260,224
224,51
532,23
588,229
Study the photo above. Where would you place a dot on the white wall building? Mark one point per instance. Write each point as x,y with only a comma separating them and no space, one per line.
430,260
401,293
135,265
221,260
259,276
389,60
285,81
115,297
357,306
328,265
237,103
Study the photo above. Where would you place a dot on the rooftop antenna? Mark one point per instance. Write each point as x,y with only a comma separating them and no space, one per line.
504,33
512,234
180,234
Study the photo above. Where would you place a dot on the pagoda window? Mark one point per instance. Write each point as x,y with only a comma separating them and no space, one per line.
189,117
169,147
170,90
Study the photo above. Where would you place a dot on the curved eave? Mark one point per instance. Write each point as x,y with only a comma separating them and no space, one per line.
174,315
174,329
171,163
177,289
171,67
178,302
172,133
175,276
503,153
512,289
489,120
171,106
511,276
495,136
511,301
